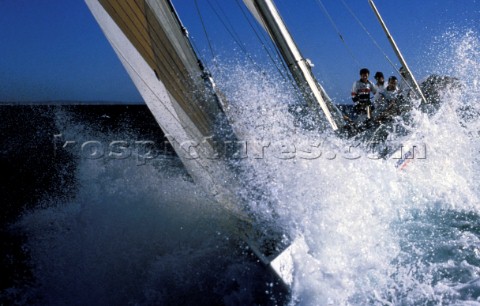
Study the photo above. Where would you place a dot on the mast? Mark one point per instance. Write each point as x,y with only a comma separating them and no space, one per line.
268,16
410,76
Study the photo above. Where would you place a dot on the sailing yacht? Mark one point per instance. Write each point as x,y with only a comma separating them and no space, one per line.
155,49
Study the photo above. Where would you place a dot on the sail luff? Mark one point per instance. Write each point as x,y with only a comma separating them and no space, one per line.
156,54
398,53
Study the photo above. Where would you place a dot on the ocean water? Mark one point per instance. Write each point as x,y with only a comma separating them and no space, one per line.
101,221
114,224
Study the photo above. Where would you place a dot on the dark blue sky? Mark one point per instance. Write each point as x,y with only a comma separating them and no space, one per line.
54,49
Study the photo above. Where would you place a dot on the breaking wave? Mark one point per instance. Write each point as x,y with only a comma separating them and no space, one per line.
376,235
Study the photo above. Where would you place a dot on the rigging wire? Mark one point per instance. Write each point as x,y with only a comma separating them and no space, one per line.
377,45
205,31
369,35
235,34
286,77
231,31
237,39
324,9
284,73
228,26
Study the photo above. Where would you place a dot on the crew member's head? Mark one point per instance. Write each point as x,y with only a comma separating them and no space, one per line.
364,73
379,77
392,83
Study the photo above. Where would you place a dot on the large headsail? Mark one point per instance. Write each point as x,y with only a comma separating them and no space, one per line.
268,16
153,45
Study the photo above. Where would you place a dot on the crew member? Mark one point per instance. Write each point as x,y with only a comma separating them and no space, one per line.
404,86
361,92
380,84
388,105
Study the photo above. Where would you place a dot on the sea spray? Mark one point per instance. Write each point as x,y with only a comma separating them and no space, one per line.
135,233
376,235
